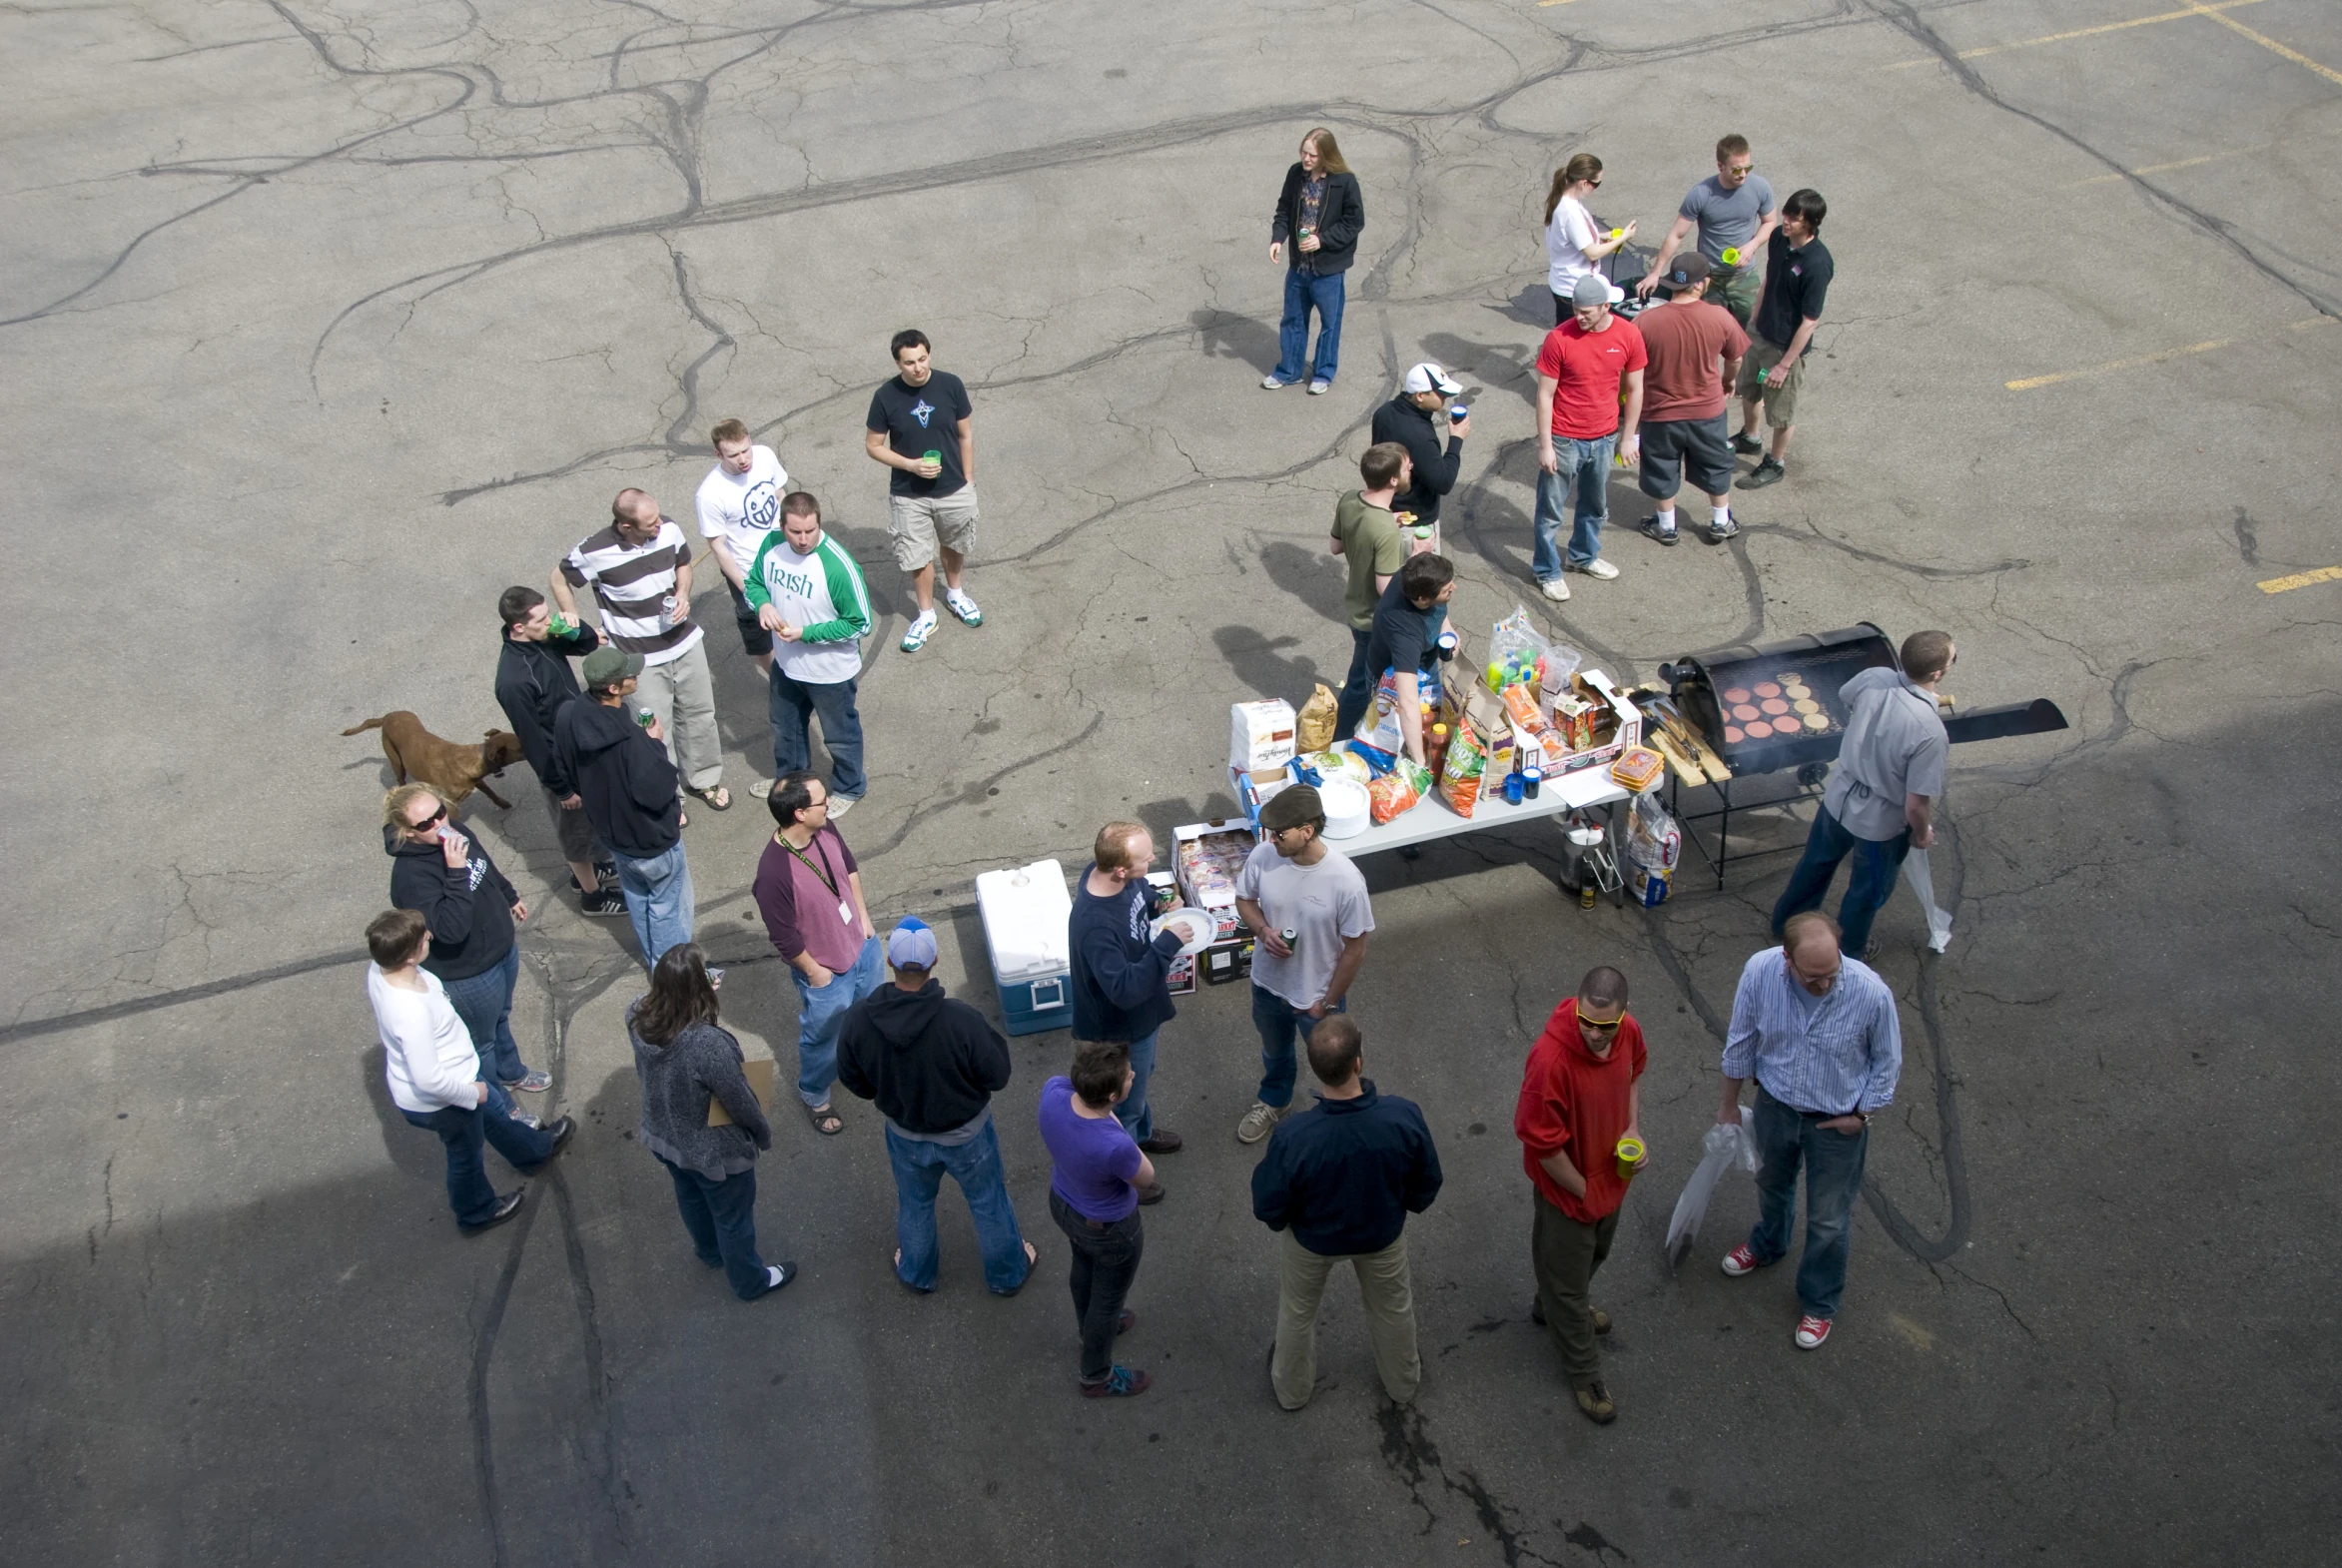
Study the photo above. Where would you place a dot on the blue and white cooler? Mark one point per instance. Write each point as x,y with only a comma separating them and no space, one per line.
1026,911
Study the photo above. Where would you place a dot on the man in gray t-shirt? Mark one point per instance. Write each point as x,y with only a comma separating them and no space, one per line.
1880,801
1733,210
1295,882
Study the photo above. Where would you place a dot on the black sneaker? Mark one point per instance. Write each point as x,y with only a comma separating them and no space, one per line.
605,877
1718,532
601,905
1652,530
1746,444
1770,471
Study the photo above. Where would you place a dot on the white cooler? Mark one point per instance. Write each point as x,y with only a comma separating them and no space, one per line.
1026,912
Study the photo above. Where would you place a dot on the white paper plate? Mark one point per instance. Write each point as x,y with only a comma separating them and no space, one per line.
1195,927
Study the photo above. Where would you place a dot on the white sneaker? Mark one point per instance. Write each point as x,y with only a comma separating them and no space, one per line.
1598,568
958,602
1555,590
1271,383
1320,389
916,634
841,804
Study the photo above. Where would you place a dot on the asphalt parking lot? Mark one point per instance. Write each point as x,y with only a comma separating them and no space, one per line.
322,325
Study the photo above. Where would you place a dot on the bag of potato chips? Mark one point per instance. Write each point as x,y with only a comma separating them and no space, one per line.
1399,789
1313,725
1459,776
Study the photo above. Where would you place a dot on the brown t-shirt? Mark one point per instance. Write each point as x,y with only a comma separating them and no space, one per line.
1684,342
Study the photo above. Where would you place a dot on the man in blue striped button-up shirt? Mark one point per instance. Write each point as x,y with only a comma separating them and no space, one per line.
1818,1032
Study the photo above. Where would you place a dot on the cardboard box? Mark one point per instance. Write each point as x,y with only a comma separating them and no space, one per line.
1260,735
1255,789
1616,729
760,1073
1180,979
1206,856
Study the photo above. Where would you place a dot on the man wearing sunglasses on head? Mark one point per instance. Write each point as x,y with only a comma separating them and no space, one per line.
1581,1094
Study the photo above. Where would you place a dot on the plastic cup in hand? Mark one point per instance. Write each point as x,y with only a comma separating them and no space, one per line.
1630,1158
932,454
1457,411
1731,256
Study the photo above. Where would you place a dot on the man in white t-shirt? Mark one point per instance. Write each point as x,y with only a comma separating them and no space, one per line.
434,1077
1295,882
807,590
739,506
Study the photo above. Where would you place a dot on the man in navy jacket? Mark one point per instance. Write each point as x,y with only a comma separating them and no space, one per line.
1339,1180
1119,974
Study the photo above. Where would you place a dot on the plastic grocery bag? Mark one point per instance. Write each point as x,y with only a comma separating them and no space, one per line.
1515,641
1724,1146
1923,885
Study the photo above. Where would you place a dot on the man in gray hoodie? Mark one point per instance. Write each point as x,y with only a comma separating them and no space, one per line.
932,1065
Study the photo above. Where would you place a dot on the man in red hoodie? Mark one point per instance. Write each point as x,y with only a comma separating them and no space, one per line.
1581,1093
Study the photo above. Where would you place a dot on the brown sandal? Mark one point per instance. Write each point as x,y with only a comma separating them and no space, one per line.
817,1115
715,795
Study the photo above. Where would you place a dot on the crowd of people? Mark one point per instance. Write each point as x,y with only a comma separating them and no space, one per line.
624,744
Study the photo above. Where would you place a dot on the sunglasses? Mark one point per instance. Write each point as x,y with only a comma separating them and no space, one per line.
1738,168
432,821
1600,1028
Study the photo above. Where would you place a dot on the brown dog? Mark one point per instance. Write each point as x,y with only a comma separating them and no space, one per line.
455,771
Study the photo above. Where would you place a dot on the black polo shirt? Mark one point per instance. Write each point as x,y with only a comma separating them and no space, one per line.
1796,284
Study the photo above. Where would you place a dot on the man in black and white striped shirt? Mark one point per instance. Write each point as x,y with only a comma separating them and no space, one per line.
640,569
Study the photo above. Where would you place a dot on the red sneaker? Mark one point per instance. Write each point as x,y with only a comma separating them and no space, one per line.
1812,1333
1741,1260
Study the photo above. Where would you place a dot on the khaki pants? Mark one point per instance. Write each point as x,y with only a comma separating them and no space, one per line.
1385,1289
683,696
1565,1252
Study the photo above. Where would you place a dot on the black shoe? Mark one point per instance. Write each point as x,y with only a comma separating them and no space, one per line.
1151,1193
561,1131
1537,1311
1652,530
777,1275
602,905
506,1207
1770,471
1718,532
1746,444
1162,1141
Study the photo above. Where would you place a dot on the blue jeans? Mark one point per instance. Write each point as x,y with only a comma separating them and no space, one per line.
1302,291
1280,1023
1358,688
1787,1137
1876,864
1583,469
794,703
484,1003
658,899
464,1129
976,1165
821,1013
1136,1117
721,1217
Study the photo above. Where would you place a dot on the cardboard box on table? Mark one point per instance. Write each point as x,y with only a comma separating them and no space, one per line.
1026,911
1179,977
1230,955
1618,725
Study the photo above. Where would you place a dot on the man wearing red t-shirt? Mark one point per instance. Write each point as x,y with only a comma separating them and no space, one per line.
1590,366
1580,1094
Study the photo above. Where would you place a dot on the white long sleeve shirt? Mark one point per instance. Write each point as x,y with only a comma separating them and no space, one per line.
428,1052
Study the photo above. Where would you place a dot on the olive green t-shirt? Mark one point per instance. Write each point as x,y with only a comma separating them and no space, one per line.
1372,546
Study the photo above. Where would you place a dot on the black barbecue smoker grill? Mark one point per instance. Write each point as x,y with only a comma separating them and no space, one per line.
1777,708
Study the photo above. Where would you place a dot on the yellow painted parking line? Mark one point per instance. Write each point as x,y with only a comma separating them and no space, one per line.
1542,4
2183,163
2268,43
2301,579
2212,10
2111,366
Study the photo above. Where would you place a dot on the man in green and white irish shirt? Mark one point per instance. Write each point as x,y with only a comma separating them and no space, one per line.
807,591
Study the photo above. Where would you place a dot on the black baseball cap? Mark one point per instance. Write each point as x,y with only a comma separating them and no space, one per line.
1686,270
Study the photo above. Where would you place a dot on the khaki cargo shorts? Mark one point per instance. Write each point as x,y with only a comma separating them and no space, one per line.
1780,402
915,523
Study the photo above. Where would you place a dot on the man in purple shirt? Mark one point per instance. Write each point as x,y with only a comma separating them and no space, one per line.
1095,1177
809,888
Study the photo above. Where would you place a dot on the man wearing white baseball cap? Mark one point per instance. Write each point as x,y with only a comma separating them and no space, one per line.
1589,366
1409,420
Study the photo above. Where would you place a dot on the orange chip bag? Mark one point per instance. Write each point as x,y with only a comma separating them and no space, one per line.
1521,704
1399,789
1459,778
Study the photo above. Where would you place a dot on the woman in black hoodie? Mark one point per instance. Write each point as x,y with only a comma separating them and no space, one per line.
1319,211
685,1058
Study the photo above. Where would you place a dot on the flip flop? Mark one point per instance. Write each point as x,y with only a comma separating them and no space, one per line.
817,1115
715,795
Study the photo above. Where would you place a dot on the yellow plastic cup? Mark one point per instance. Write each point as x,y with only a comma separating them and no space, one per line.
1630,1158
1731,256
1615,233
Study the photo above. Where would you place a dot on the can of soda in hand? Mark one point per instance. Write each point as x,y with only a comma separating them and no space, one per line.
1288,936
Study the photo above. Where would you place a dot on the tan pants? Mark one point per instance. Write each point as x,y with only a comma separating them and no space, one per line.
1385,1289
683,696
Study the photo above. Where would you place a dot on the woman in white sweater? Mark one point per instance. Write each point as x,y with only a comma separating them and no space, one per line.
435,1075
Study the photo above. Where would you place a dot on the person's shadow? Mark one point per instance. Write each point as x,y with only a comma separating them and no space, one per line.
1230,336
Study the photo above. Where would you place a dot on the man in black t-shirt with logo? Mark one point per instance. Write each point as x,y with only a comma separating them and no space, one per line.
920,426
1798,270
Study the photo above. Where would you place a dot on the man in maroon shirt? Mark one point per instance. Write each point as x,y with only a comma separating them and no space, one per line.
1684,396
1589,366
809,890
1580,1095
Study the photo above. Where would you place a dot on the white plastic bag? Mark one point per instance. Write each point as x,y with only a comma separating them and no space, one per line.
1923,885
1724,1146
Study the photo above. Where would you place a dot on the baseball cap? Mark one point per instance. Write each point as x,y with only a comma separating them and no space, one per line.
1686,269
1430,377
910,945
606,666
1292,807
1594,288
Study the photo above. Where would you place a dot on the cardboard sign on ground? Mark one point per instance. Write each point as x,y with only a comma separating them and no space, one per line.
760,1073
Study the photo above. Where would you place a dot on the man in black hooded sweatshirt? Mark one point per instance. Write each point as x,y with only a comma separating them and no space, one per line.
632,796
534,685
933,1064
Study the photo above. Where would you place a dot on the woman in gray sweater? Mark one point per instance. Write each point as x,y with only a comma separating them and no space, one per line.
685,1058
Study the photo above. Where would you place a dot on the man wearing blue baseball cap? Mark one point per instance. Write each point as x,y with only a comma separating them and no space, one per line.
932,1065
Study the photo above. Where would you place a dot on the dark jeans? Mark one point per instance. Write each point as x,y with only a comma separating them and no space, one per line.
1105,1260
1279,1024
1866,890
1357,690
920,1167
1135,1114
484,1003
1302,293
794,703
753,636
721,1217
1565,1252
1786,1139
463,1130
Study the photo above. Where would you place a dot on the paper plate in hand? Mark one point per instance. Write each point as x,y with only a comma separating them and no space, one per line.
1194,927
